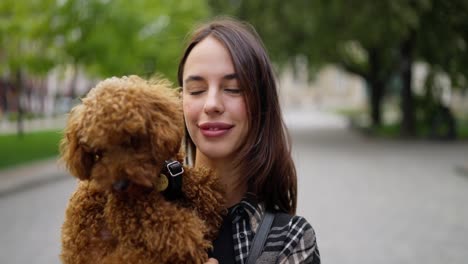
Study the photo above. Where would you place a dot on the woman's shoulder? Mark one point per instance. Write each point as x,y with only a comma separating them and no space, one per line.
291,229
292,239
290,221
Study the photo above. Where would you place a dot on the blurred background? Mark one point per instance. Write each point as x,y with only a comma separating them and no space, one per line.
374,94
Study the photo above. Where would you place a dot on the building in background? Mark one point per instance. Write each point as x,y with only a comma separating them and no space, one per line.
331,89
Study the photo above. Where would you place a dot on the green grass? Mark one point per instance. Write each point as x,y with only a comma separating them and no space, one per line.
33,146
462,129
393,130
388,131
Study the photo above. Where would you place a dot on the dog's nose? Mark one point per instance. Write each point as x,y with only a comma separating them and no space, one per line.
121,185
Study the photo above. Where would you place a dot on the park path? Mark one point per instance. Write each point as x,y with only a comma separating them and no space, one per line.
381,201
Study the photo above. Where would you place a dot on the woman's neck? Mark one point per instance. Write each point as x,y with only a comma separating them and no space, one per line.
229,177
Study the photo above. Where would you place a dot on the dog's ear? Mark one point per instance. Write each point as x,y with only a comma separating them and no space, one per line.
166,139
77,160
166,128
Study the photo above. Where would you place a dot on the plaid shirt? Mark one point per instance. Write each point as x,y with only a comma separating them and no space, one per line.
291,238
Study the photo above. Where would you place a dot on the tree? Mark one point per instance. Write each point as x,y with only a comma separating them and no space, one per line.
101,37
332,31
442,44
24,49
377,40
119,37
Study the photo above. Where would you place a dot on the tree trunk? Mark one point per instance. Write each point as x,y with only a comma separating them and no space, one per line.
4,89
375,88
42,94
73,81
19,93
407,100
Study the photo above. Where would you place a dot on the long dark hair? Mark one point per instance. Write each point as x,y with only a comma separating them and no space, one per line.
264,160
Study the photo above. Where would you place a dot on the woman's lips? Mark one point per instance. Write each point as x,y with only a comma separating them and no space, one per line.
214,129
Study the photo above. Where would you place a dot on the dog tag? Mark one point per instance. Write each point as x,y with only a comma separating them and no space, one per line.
161,183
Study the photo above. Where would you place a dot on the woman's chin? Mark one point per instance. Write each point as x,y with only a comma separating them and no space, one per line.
217,153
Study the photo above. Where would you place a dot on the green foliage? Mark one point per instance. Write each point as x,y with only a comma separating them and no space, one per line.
346,32
119,37
29,147
393,131
334,31
104,37
444,42
462,129
24,42
286,27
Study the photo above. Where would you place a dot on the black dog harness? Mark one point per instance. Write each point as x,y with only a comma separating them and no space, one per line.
173,170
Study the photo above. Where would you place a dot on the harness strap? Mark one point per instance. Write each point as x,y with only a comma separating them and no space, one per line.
174,171
260,237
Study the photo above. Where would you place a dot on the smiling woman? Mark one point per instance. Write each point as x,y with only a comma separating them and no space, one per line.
234,127
214,106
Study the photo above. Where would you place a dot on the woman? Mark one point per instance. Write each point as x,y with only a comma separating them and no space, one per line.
234,126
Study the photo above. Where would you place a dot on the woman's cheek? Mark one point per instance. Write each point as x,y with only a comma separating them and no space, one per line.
190,113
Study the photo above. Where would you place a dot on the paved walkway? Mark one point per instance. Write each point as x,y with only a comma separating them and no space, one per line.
30,175
383,201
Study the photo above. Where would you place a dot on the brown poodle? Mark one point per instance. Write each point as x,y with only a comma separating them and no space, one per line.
128,207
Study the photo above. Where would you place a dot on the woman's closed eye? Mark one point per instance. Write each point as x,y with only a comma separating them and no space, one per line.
196,92
233,90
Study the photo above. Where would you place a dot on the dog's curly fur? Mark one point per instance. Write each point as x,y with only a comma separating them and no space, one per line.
126,128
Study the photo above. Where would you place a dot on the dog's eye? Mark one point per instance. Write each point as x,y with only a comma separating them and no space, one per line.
135,142
97,156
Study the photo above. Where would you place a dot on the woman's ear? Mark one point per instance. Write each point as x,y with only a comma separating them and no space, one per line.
77,160
180,90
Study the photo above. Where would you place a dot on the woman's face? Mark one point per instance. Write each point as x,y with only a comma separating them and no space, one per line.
213,103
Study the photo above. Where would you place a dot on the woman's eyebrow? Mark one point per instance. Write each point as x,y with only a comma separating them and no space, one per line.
230,76
193,78
197,78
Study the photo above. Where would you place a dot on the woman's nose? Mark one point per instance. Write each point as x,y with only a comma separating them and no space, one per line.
214,102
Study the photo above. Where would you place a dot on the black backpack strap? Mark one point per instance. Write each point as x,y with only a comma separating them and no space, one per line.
260,237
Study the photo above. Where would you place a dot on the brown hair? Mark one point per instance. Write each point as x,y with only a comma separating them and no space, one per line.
265,160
